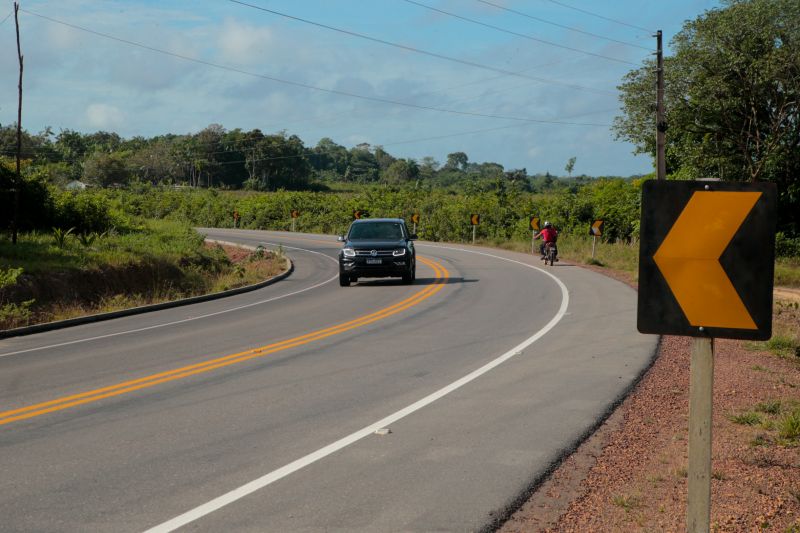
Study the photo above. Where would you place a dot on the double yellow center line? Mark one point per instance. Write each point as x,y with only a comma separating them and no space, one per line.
441,275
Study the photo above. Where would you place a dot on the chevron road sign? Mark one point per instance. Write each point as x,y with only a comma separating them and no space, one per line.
706,259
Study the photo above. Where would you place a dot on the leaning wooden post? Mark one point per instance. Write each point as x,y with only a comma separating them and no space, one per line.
18,176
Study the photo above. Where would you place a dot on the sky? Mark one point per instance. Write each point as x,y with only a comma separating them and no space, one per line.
523,83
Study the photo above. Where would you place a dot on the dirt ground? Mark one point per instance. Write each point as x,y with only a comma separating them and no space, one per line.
631,474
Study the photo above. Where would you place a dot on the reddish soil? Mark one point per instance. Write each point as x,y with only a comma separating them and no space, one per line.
234,253
631,474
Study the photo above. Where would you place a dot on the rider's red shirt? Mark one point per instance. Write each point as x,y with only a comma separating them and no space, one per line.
549,235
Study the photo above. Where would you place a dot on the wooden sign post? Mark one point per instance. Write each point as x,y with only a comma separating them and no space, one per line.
706,266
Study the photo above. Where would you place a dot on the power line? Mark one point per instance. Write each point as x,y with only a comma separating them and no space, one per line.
425,52
570,28
296,83
510,32
600,16
7,17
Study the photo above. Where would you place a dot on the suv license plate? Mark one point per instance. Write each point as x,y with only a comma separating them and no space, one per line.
373,261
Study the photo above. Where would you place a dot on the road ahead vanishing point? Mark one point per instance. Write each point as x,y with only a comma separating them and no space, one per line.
305,406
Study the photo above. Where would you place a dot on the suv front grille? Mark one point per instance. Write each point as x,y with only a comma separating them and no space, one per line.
368,253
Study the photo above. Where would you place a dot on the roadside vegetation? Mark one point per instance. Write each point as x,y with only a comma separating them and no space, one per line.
62,274
147,229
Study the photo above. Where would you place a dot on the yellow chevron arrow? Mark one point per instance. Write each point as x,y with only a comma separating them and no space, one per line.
595,229
689,258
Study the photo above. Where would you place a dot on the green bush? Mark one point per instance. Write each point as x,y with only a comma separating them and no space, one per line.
786,246
83,210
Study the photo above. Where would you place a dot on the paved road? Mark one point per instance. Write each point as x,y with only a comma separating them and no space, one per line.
258,412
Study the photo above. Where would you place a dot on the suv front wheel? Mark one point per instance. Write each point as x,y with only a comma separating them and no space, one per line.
411,275
344,280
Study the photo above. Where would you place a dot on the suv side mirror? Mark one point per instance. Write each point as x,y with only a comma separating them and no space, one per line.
340,238
413,237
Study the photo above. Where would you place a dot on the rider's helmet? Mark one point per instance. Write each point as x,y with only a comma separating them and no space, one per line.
547,224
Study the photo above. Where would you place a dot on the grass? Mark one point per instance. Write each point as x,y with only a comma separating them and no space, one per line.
626,502
67,276
785,341
746,419
789,426
770,407
780,421
784,345
47,252
787,272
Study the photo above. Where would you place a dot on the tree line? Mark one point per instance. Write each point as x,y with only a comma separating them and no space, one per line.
236,159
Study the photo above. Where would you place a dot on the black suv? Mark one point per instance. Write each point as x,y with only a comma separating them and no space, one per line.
377,248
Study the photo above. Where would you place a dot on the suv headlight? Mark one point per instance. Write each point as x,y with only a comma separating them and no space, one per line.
348,252
399,252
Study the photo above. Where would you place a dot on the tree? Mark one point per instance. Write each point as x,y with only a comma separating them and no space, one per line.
383,158
457,160
732,100
402,171
105,169
327,155
570,165
280,163
362,165
156,163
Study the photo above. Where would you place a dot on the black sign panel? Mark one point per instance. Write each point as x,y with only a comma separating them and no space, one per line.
706,259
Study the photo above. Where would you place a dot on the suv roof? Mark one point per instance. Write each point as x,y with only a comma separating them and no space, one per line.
368,220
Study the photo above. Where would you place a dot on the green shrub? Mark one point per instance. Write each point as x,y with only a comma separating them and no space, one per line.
747,419
789,426
83,210
786,246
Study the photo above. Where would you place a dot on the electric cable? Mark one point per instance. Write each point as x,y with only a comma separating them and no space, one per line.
517,34
425,52
601,16
293,83
570,28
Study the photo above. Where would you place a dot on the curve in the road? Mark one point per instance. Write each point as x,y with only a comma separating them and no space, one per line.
22,413
263,481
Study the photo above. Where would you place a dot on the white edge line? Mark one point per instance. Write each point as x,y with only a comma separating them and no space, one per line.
259,483
156,326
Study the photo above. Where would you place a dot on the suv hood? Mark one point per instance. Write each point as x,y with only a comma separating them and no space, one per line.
370,244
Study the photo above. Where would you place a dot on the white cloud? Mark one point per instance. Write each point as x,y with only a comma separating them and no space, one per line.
104,116
244,44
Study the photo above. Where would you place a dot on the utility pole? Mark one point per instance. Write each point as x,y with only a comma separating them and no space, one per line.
18,184
661,123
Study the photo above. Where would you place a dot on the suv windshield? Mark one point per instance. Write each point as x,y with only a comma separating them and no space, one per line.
389,231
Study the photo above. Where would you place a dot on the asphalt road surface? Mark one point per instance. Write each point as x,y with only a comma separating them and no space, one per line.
306,406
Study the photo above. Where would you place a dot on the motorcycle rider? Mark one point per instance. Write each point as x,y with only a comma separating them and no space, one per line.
548,235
